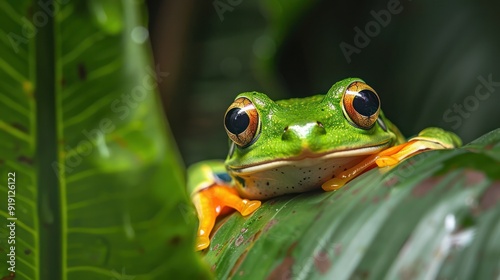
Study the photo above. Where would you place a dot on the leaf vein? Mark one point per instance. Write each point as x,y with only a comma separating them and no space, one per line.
89,111
15,132
15,106
12,72
86,44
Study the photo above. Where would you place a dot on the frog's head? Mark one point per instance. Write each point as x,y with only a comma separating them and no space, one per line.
346,122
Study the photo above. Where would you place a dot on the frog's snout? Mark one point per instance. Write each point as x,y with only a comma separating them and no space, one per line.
298,132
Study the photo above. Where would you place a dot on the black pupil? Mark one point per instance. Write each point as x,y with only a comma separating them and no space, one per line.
366,103
237,120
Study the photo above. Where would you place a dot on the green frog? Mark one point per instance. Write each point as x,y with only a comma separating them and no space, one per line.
300,144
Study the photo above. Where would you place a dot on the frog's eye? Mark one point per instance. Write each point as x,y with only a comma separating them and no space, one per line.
361,105
241,121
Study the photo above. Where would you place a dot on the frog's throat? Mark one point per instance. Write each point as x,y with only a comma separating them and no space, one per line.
307,158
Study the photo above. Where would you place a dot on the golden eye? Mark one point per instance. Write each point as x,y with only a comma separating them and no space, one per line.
241,122
361,105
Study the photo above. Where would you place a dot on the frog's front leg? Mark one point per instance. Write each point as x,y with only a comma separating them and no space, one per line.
431,138
212,191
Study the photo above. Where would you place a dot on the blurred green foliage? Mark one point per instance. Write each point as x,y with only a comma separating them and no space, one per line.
99,187
426,60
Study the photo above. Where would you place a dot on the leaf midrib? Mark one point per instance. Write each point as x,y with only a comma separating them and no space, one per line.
50,222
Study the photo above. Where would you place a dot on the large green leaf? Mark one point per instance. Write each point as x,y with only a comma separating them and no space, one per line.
435,216
99,188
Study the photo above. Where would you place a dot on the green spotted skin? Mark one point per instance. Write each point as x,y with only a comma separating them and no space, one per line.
303,142
298,144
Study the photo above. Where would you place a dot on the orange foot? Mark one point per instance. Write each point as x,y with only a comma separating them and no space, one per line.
210,202
388,157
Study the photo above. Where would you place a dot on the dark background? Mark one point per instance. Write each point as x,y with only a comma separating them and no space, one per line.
423,63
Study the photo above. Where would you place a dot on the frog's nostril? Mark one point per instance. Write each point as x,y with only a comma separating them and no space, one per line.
320,128
288,134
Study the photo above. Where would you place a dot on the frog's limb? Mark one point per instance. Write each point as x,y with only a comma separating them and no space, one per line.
341,179
210,202
211,193
431,138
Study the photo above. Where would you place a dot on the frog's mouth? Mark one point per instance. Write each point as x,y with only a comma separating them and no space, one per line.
309,158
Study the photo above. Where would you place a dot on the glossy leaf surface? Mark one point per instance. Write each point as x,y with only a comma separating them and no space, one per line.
436,215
